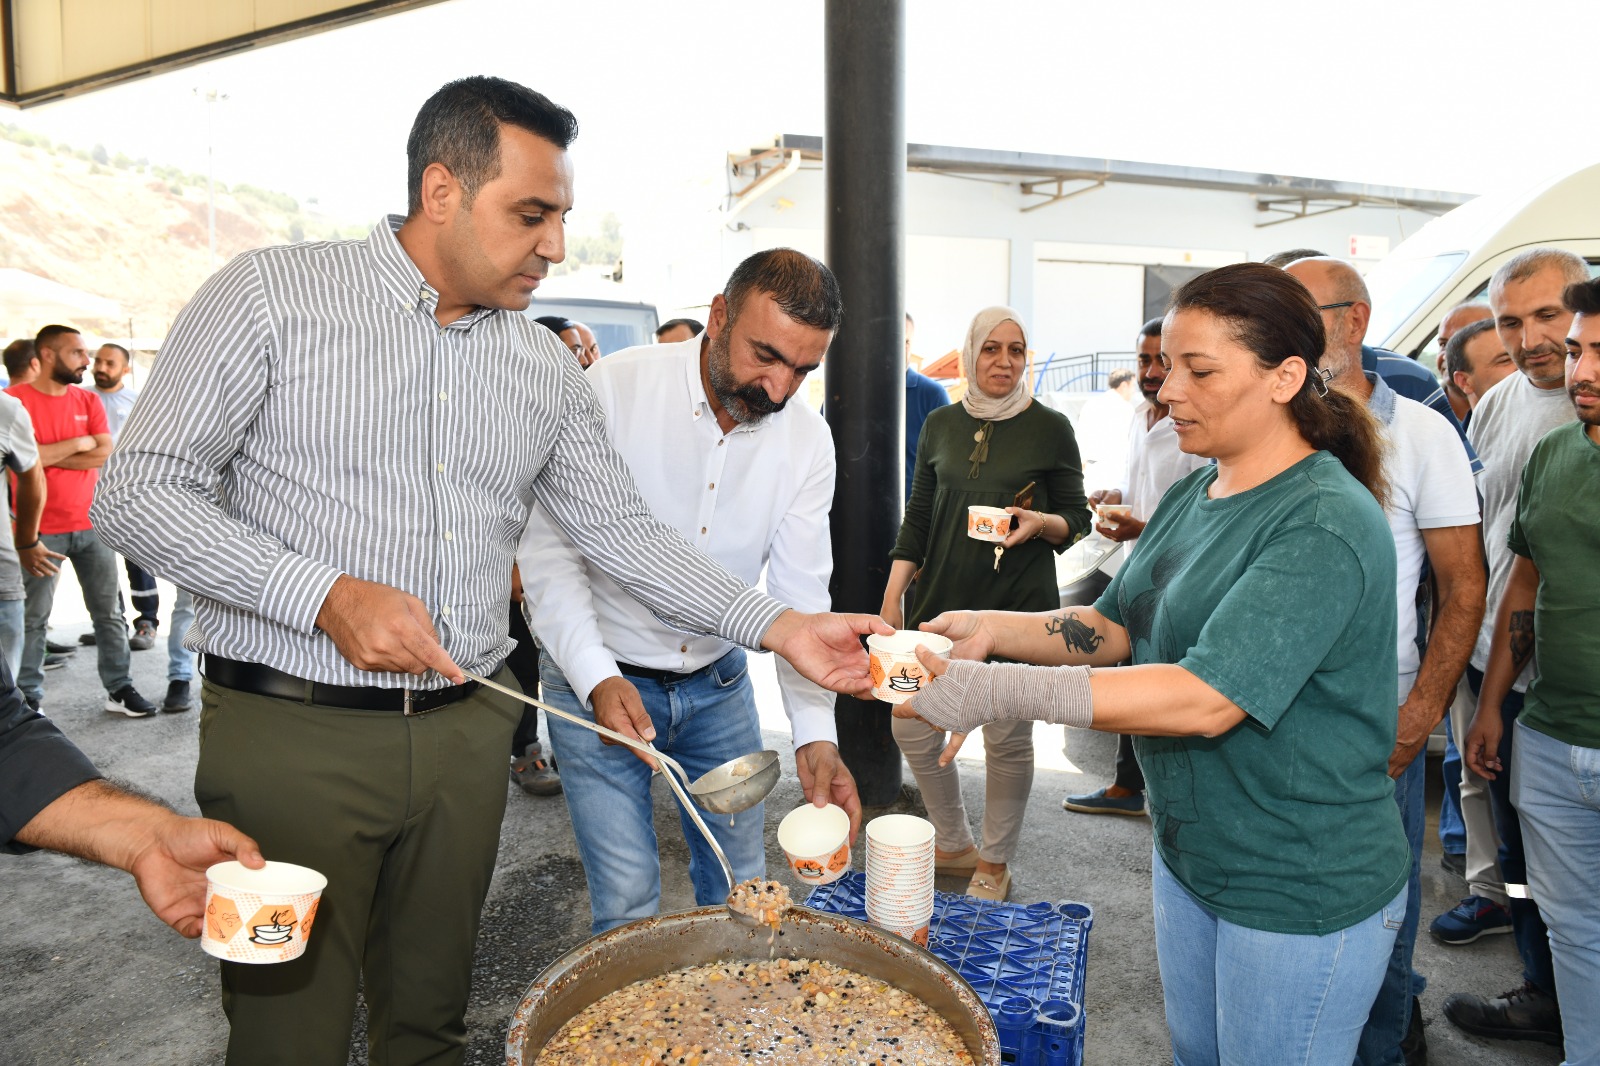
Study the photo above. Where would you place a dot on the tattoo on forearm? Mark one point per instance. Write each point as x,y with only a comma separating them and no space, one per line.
1521,629
1079,636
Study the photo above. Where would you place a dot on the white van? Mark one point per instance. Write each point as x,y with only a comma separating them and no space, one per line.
619,317
1451,259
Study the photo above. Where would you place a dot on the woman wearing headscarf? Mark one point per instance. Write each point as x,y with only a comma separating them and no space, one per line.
995,444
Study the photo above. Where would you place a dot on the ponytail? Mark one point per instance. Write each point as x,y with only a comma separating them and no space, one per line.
1336,422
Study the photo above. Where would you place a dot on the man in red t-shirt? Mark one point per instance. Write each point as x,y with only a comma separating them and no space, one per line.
70,426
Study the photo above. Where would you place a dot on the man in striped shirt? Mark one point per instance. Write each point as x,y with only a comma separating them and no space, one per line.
345,504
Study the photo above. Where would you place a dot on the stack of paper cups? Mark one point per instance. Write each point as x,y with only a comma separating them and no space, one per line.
900,875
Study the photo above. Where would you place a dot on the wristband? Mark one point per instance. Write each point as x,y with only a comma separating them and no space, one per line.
28,547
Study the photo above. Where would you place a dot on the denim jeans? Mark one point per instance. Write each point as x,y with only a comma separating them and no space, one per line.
180,660
1390,1018
1452,828
1244,997
702,722
1527,926
1557,791
95,566
12,614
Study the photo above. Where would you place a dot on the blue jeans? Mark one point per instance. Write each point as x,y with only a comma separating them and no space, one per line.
96,568
1390,1018
1527,926
1246,997
180,660
1452,829
702,722
12,615
1556,787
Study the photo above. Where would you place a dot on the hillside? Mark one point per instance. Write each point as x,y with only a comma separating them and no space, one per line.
132,231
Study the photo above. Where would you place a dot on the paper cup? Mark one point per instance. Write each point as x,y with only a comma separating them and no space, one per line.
897,675
816,841
899,833
992,524
260,916
1112,514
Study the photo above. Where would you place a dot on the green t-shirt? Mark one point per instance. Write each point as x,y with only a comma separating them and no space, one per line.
958,572
1557,525
1281,599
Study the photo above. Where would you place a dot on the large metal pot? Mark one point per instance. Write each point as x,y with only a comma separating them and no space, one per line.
659,945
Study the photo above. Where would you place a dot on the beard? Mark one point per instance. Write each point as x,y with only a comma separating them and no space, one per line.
105,381
1590,417
1559,372
65,376
745,404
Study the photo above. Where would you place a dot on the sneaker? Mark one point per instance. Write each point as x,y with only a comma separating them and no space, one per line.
54,662
1522,1014
126,700
144,636
1468,920
52,648
534,774
86,639
1455,862
1097,802
177,698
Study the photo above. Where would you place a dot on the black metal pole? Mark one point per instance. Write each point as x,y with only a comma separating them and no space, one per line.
864,156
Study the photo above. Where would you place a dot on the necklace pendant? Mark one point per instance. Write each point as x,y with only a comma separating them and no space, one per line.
999,550
978,436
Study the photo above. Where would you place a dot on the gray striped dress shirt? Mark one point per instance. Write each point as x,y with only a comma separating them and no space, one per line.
308,417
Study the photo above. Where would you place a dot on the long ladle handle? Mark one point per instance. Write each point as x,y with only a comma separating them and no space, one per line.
648,749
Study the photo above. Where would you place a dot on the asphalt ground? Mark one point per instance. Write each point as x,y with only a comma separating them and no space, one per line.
88,975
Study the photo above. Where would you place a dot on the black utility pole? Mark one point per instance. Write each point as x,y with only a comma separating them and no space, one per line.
864,156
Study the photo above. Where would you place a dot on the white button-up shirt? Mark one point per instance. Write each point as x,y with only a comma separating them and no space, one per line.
1155,462
756,498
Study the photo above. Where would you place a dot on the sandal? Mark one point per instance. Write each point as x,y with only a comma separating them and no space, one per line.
987,886
963,864
536,775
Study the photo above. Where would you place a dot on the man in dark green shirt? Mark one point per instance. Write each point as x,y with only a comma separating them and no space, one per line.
1551,611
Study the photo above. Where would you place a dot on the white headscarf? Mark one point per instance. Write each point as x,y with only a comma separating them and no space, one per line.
979,404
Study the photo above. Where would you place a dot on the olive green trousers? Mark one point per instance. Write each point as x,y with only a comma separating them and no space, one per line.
402,814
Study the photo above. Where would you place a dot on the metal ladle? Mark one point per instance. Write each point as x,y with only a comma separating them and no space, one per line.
734,786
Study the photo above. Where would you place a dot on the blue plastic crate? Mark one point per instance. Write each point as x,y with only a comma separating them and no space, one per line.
1025,962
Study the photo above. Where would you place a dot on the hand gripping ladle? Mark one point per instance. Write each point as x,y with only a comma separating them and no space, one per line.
734,786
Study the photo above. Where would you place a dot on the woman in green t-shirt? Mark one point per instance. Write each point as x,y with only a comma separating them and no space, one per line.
984,451
1258,611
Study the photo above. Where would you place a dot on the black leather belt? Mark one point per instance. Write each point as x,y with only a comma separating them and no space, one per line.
666,677
265,681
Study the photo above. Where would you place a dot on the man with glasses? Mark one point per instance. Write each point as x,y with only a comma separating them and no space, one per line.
1433,514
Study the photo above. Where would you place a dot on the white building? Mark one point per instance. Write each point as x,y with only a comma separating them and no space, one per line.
1085,249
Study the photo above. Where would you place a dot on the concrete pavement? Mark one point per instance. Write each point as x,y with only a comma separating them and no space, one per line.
88,975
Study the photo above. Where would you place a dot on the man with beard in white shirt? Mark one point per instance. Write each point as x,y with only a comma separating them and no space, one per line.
1525,294
719,453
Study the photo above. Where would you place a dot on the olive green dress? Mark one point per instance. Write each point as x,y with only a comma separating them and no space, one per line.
958,572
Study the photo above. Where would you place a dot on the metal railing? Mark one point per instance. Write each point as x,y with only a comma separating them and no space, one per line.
1080,373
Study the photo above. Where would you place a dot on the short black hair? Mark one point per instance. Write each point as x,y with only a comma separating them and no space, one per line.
1284,258
1118,378
126,358
1455,349
802,287
19,353
555,323
1583,297
696,328
459,127
1152,328
50,333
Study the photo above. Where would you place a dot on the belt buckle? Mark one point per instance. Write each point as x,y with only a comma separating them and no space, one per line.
410,710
